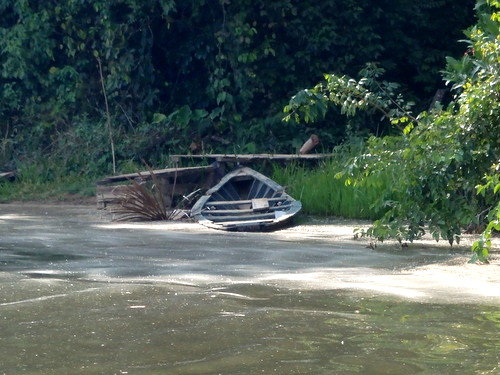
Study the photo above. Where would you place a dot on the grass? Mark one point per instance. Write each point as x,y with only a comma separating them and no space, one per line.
323,193
35,183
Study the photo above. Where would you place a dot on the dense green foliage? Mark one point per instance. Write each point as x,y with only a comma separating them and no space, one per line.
483,245
440,156
213,74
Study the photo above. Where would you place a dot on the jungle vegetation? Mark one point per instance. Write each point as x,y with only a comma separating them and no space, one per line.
157,77
96,87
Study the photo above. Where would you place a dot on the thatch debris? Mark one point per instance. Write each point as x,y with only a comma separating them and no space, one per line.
142,201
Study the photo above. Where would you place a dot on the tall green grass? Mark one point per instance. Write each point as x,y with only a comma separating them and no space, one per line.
323,193
43,182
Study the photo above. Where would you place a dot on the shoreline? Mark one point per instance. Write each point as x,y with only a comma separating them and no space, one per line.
316,254
306,225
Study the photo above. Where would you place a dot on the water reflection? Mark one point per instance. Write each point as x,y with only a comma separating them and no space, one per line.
242,329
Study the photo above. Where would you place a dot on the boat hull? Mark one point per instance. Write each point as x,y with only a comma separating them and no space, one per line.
245,200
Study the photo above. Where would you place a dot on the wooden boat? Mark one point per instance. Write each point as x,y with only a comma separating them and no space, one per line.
245,200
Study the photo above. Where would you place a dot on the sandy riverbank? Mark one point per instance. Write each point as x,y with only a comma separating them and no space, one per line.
314,254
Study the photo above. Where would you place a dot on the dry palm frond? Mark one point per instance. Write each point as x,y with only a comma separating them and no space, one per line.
140,202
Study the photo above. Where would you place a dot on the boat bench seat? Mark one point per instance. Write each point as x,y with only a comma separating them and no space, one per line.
260,204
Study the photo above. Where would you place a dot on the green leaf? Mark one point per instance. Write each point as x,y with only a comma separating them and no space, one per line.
221,97
158,118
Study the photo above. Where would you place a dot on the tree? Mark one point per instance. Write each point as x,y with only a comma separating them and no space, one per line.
219,70
440,156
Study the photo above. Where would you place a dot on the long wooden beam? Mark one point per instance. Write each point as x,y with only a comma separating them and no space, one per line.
156,172
248,158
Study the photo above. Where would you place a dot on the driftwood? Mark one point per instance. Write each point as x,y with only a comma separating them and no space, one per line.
312,142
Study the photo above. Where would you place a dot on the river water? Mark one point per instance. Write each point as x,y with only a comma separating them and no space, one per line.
82,295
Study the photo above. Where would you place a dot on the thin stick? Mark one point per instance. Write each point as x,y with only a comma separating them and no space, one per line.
108,116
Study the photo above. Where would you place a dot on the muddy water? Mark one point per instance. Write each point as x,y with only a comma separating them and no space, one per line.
80,295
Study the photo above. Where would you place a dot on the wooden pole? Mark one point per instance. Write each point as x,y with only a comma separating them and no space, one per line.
312,142
108,116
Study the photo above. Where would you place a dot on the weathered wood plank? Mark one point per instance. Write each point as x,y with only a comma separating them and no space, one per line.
107,195
243,201
248,158
168,172
243,211
254,217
